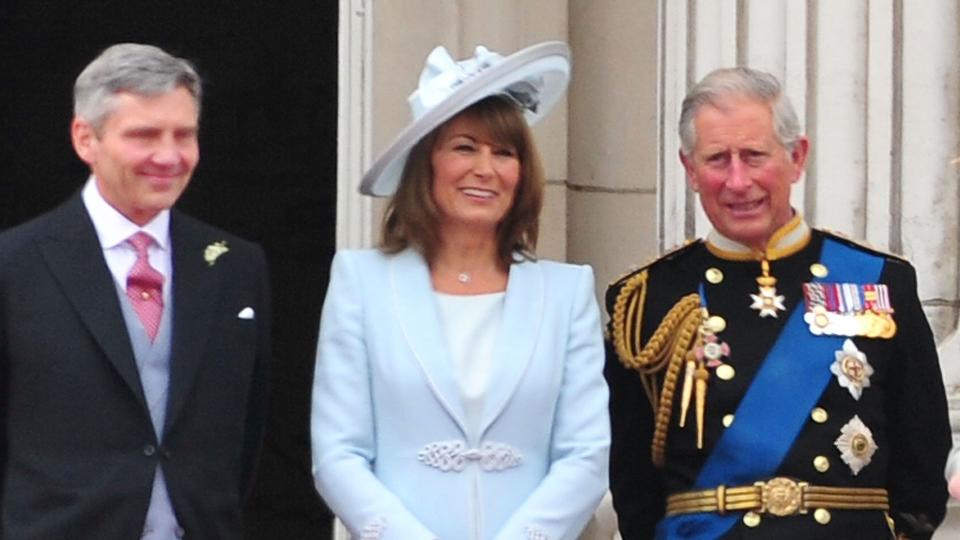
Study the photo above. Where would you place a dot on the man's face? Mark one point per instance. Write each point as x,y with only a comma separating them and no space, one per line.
741,170
145,152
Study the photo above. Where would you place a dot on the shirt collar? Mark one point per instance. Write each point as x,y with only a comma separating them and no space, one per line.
787,240
113,228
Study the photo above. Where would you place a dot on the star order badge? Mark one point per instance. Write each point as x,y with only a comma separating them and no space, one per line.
768,302
852,369
856,445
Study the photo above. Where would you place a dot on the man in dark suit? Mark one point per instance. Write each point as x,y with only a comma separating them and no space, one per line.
771,380
133,338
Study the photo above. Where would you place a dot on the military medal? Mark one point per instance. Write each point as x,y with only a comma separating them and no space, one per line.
767,301
856,445
852,369
849,309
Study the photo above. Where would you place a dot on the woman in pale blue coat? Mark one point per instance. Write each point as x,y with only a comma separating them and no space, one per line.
458,393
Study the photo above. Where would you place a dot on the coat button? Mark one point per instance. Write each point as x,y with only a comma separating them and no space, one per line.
751,519
713,275
149,450
821,463
822,515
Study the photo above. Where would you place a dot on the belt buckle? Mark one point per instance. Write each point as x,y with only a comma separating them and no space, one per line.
782,496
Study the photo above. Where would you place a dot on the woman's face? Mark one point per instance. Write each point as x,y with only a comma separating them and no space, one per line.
474,179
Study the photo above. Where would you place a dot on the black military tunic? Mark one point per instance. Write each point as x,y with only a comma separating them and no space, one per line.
904,405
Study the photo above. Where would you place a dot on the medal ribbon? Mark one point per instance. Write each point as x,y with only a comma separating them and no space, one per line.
753,447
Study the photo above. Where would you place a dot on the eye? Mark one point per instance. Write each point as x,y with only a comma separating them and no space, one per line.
753,157
463,146
717,159
142,134
186,135
505,152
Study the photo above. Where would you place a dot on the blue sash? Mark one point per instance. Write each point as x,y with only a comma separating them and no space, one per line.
753,447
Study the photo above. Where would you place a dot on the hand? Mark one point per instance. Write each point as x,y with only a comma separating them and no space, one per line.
954,486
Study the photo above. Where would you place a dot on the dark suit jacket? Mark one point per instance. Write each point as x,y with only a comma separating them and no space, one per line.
77,448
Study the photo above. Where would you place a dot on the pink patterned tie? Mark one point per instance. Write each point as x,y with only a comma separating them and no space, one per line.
145,286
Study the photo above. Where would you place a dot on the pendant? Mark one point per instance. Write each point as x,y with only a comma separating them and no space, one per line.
463,277
767,301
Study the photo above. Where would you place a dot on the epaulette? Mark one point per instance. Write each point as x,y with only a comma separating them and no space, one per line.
859,244
669,254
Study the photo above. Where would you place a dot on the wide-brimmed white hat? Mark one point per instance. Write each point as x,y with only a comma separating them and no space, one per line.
535,78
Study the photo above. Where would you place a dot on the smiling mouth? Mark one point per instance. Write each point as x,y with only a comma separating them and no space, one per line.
478,193
745,206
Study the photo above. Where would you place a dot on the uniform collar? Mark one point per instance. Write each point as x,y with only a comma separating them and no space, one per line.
787,240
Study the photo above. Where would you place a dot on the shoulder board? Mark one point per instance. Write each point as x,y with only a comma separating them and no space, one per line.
859,244
669,254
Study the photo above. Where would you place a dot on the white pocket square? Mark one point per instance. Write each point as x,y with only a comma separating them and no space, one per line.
245,313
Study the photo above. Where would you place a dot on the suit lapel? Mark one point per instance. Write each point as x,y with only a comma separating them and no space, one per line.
196,287
75,257
418,317
519,332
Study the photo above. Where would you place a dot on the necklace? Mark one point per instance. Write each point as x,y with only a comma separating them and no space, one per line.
464,277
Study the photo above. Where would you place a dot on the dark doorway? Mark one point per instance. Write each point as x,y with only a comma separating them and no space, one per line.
267,170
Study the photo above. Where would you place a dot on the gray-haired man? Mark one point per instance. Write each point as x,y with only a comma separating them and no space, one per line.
133,338
771,380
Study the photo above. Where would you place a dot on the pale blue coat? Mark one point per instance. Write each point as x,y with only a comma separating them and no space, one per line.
390,451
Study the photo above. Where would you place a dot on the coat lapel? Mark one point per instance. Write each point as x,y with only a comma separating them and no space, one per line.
418,316
519,332
75,257
196,288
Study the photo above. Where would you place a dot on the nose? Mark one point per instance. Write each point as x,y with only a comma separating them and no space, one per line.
739,175
483,164
167,151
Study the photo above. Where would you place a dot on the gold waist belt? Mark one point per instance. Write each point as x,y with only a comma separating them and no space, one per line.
779,496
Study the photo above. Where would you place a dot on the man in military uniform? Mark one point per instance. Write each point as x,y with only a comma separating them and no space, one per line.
771,380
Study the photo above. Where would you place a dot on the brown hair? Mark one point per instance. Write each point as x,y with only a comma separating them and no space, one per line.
412,218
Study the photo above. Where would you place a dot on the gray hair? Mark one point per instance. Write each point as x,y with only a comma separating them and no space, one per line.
144,70
739,82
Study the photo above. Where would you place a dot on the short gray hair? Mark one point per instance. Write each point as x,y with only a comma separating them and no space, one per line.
144,70
741,82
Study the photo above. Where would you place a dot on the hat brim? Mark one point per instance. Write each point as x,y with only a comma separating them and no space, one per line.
549,61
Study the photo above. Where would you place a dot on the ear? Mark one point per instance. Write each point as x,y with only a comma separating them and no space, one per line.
84,140
798,156
687,162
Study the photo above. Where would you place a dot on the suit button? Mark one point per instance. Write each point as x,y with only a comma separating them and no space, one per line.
149,450
165,453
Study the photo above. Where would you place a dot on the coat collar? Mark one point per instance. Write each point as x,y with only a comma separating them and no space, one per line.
418,315
74,256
